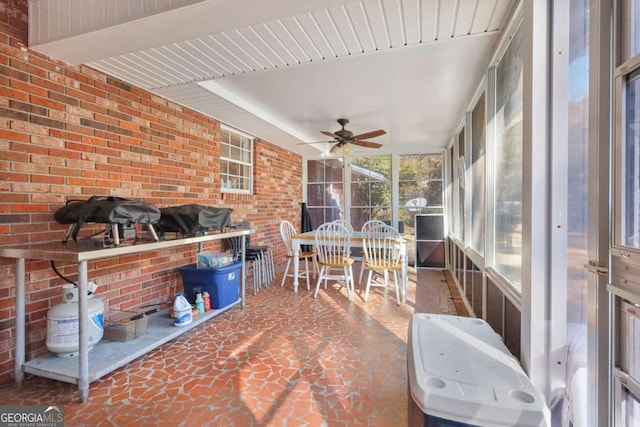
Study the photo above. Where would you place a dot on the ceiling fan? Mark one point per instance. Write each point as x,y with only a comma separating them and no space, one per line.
345,137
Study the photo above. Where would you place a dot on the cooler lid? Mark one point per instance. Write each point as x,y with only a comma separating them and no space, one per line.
459,369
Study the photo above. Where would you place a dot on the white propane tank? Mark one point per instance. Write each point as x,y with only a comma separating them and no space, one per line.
63,324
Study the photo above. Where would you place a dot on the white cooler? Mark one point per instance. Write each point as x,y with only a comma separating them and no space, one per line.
462,374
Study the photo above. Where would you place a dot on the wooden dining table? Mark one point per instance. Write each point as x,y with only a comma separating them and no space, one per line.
309,238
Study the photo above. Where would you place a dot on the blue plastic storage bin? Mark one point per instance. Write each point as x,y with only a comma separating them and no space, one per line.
222,283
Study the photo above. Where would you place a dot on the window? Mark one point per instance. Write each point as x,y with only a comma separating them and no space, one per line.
236,155
325,198
461,172
625,253
478,137
629,226
420,187
370,189
507,122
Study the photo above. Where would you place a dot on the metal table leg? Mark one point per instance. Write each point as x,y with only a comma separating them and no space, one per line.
20,322
83,316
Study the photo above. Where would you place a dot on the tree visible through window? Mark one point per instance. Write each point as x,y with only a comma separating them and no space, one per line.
420,187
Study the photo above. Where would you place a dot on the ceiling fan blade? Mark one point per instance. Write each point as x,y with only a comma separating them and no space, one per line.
368,144
330,134
371,134
317,142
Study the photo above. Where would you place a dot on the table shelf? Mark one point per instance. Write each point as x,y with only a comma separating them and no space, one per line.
107,356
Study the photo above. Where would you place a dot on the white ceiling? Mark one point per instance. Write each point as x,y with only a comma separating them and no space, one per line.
284,70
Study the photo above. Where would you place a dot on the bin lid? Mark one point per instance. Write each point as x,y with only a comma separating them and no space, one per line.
459,369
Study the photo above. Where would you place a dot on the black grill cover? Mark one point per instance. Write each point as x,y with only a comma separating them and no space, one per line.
193,219
107,210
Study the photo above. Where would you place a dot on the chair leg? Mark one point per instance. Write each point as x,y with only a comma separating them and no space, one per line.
366,292
306,267
345,271
362,268
286,271
397,283
315,295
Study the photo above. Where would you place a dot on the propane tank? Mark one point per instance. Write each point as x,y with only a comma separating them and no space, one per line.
63,324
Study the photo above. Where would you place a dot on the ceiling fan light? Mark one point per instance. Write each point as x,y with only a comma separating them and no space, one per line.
346,149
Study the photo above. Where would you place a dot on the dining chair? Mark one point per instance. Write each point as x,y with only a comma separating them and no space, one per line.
356,254
345,224
365,227
333,245
287,231
382,254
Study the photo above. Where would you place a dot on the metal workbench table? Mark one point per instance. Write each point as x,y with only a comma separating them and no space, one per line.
107,355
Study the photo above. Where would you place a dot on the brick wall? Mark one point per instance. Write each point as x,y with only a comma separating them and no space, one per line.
69,132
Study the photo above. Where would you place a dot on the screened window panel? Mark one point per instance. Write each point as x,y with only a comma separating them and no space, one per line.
461,187
370,189
577,177
325,197
420,187
630,211
478,142
508,162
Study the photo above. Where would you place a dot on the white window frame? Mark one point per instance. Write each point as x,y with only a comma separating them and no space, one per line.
225,136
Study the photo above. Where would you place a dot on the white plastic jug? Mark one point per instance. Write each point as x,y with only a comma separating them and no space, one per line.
181,311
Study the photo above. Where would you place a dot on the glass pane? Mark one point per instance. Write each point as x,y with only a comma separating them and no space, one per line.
315,194
508,162
630,19
333,170
370,188
246,155
478,136
361,215
360,194
375,168
235,154
315,171
461,185
432,190
325,193
632,409
420,184
630,225
577,187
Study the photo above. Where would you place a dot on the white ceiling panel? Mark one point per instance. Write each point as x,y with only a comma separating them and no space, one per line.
394,19
379,24
285,70
265,56
412,12
360,21
326,22
316,36
500,11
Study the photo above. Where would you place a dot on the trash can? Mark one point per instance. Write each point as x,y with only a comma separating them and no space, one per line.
461,374
222,283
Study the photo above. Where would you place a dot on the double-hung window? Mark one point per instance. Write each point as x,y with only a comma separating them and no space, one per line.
236,161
